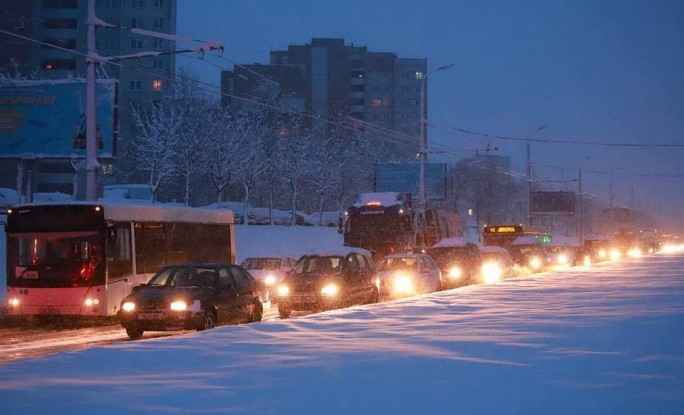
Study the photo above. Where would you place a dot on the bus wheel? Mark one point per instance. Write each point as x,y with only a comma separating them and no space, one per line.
208,322
257,311
134,332
284,311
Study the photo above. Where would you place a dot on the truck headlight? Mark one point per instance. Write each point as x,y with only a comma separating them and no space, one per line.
89,302
13,302
283,291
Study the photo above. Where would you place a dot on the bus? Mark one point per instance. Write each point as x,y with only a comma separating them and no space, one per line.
82,259
504,235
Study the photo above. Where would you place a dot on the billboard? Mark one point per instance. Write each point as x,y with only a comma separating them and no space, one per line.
403,178
46,119
552,202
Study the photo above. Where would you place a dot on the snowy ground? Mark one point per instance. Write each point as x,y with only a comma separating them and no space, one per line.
605,341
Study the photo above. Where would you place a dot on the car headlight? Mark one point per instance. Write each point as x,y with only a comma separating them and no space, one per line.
330,290
403,284
283,291
491,273
602,253
455,272
535,263
128,306
562,259
179,305
635,252
615,254
270,280
587,261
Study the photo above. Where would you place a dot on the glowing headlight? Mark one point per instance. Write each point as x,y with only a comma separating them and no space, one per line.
403,284
283,291
330,290
535,263
179,306
270,280
587,261
491,273
634,252
614,254
89,302
455,272
13,302
128,306
602,253
562,259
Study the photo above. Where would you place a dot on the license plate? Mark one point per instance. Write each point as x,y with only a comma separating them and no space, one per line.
151,316
305,298
49,310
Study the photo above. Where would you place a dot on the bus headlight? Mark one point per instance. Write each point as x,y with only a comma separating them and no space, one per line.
13,302
455,272
179,306
403,284
128,306
283,291
89,302
491,273
330,290
270,280
535,263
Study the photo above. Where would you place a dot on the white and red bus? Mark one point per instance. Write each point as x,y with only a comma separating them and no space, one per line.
82,259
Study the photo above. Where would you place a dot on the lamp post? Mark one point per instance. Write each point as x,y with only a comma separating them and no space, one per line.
422,194
529,171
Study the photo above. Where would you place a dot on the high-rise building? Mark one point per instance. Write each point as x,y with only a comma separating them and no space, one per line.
333,80
62,23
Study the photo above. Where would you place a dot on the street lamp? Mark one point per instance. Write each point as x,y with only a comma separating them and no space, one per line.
529,171
422,194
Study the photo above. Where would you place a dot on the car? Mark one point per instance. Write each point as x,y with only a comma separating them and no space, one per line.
529,254
596,248
459,262
563,256
191,297
496,264
401,275
268,270
328,279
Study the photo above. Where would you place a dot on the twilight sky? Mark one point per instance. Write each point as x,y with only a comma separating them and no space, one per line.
598,71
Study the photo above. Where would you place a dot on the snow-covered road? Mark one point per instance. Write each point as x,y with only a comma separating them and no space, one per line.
609,340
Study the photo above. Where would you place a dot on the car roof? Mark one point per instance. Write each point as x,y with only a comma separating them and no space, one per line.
494,249
339,251
411,255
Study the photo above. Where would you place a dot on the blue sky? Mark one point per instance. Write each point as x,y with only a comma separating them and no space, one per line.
595,71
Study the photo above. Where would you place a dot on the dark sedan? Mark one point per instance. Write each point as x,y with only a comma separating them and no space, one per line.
191,296
328,280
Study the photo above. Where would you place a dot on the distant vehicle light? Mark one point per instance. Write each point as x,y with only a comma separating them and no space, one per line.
615,254
270,280
128,306
13,302
562,259
535,263
283,291
373,204
179,306
602,253
634,253
491,273
455,272
587,261
330,290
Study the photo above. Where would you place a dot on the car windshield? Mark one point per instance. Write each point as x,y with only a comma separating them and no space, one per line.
261,263
318,264
393,264
183,277
521,250
492,256
447,256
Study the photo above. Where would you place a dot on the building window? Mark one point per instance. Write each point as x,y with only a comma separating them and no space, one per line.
358,88
158,64
58,64
159,23
158,3
376,102
136,43
386,102
357,73
157,85
110,4
419,75
60,24
136,23
137,4
62,43
60,4
135,85
106,44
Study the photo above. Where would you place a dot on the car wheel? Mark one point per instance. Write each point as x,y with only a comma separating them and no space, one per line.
284,312
257,311
134,332
208,322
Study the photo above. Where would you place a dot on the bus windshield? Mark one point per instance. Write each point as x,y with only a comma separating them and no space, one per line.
58,259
